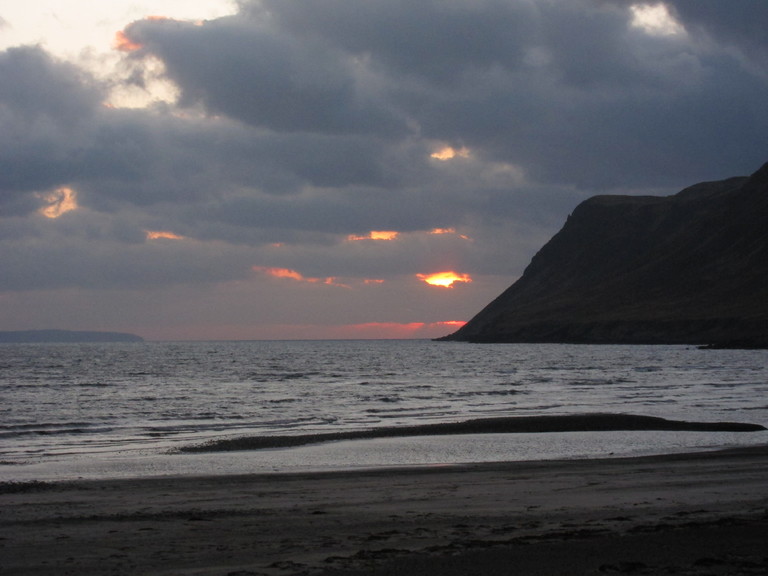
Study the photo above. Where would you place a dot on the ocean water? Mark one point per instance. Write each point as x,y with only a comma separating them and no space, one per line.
96,410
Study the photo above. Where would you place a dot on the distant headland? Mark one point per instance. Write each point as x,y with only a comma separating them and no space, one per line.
691,268
56,336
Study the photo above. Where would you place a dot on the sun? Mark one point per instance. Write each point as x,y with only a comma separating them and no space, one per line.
444,279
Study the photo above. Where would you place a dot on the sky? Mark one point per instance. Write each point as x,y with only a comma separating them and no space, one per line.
270,169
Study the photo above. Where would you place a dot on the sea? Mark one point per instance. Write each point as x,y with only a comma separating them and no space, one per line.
116,410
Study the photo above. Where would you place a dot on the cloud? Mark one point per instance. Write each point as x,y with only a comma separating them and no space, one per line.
287,273
163,235
59,202
45,108
248,70
374,235
740,24
515,80
294,128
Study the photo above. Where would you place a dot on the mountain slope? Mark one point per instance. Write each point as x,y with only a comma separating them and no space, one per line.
689,268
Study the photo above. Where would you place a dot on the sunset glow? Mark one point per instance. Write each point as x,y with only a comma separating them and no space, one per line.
451,231
375,235
332,281
280,273
367,330
397,329
162,234
58,202
444,279
124,44
449,152
289,274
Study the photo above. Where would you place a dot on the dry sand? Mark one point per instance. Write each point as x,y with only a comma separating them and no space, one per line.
693,514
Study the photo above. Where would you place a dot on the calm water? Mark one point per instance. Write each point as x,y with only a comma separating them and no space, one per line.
103,409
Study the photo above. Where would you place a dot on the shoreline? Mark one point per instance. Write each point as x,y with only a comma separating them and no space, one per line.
480,440
379,453
697,513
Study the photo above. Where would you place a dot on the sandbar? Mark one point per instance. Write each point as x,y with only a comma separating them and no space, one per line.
502,425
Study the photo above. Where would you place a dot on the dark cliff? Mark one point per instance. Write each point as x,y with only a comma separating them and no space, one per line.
690,269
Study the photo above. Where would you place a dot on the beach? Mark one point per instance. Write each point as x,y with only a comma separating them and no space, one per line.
699,513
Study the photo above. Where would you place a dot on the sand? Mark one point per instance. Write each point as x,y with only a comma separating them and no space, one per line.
686,514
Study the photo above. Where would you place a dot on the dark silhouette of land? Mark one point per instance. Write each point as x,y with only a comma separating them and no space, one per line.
41,336
685,269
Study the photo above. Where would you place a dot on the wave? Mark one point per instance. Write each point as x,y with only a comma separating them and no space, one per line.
51,429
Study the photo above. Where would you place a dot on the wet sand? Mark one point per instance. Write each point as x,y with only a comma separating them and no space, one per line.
690,514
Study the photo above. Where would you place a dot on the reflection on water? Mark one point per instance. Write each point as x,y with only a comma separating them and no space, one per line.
92,403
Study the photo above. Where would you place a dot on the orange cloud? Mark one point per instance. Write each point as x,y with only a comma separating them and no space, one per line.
280,273
452,231
331,281
444,279
294,275
161,234
58,202
383,235
449,152
124,44
373,281
375,235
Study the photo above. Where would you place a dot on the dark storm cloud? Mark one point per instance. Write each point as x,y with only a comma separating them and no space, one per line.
304,122
149,159
44,107
429,41
55,132
569,90
245,69
97,251
37,86
740,23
